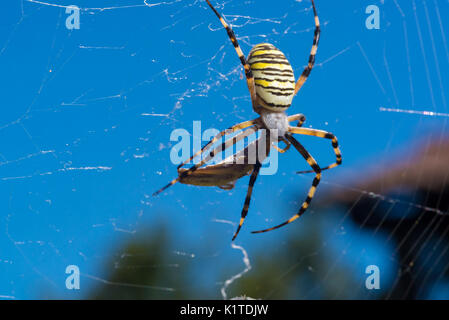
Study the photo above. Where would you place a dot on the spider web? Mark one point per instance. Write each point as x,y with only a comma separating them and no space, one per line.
85,130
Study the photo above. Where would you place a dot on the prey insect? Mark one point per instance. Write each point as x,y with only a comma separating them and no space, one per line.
272,86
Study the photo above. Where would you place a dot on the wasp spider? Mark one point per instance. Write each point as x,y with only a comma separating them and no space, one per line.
272,86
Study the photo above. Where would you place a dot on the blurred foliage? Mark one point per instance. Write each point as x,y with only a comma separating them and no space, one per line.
144,271
147,263
303,279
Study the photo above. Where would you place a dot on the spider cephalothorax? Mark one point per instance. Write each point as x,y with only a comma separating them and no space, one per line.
275,121
272,86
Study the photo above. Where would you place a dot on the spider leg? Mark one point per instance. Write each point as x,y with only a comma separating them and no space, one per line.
225,145
300,117
245,209
311,161
320,134
232,129
248,72
316,39
283,150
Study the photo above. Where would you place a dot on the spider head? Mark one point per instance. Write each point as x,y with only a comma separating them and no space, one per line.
273,77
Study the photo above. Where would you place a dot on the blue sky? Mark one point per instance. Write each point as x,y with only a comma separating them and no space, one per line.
86,117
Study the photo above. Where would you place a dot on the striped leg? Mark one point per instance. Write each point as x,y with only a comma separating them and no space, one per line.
300,117
311,161
225,145
320,134
316,39
283,150
248,72
245,209
232,129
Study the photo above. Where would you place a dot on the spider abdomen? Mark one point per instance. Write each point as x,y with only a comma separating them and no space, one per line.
273,77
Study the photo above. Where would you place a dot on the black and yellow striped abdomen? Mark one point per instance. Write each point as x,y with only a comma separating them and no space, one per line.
273,77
